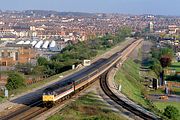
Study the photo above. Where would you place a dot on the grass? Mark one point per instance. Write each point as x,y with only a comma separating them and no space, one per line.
158,91
162,105
175,66
175,90
88,107
2,99
150,73
130,80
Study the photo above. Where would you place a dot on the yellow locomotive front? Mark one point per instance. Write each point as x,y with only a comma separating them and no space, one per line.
48,97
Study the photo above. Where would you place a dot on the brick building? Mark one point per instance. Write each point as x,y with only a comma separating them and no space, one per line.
11,54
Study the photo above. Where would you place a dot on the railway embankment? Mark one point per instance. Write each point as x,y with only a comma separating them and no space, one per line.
130,79
132,82
116,89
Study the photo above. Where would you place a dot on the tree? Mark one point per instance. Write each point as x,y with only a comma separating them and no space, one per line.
171,112
165,61
158,53
166,52
156,66
123,33
155,53
14,81
42,61
49,72
24,68
39,70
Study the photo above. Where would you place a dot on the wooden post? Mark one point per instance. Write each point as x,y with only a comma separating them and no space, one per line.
74,86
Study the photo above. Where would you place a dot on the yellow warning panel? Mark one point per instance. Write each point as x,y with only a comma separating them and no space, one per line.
48,98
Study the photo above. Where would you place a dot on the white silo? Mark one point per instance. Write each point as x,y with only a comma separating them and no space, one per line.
33,43
27,42
38,45
53,44
20,42
45,45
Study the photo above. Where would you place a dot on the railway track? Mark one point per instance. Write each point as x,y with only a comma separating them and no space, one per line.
26,113
108,92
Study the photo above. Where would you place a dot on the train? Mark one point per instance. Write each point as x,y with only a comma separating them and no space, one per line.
63,90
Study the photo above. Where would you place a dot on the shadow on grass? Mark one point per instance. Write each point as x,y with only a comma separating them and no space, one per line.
175,66
174,78
91,100
175,92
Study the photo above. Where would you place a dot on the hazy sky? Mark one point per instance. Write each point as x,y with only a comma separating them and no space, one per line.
162,7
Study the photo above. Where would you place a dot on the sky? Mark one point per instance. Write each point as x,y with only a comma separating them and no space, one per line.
156,7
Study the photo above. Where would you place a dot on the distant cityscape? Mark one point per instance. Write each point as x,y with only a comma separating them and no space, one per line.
52,31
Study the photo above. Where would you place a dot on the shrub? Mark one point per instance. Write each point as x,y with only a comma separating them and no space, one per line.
14,81
171,112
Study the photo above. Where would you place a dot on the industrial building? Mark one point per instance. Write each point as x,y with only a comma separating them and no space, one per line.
11,54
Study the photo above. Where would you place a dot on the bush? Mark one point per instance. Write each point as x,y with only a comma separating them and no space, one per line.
15,80
171,112
42,61
156,66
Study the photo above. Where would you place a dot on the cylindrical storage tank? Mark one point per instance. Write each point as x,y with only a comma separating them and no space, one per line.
20,42
33,43
38,45
27,42
45,45
53,44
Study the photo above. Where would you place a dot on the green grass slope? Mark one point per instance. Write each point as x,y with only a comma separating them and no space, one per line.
88,107
128,76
